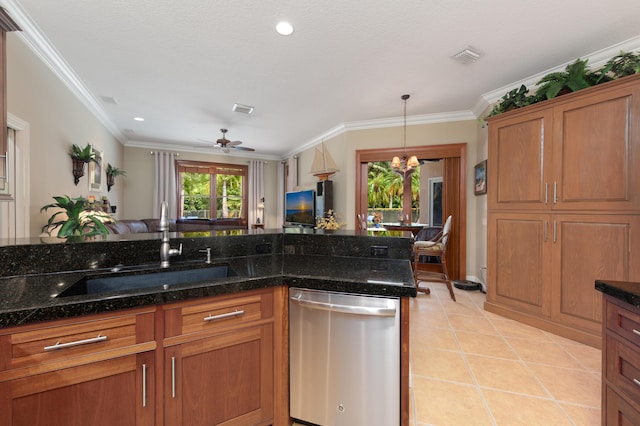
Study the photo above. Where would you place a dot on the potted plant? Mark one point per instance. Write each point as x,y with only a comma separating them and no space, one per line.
80,219
576,76
81,156
516,98
622,65
111,173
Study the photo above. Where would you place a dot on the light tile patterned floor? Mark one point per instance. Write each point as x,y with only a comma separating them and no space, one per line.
471,367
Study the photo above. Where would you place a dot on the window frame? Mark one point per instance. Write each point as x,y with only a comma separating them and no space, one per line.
212,168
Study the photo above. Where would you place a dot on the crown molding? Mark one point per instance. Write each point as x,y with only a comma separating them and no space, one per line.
39,44
412,120
173,147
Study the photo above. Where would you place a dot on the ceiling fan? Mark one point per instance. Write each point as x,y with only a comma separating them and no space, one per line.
226,145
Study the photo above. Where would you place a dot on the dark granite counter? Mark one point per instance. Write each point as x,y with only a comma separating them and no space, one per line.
328,262
625,291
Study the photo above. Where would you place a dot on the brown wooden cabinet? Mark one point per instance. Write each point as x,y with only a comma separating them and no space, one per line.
219,361
620,363
564,207
98,371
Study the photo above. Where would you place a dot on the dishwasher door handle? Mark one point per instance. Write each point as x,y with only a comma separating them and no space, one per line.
346,309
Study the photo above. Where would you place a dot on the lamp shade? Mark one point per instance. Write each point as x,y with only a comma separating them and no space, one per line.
395,163
413,162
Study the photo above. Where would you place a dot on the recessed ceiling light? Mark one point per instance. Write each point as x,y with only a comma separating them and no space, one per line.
284,28
138,118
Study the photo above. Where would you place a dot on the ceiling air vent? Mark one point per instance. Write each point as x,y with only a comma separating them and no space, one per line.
466,56
108,100
245,109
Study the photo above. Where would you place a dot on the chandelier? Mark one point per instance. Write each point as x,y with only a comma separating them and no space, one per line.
404,165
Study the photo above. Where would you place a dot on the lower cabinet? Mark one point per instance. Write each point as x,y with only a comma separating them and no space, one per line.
207,362
97,370
542,268
226,379
620,363
113,392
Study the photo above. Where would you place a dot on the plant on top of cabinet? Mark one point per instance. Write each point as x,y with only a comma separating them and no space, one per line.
623,64
576,76
81,220
516,98
111,173
80,156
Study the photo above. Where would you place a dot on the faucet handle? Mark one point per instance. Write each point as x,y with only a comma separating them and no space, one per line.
208,251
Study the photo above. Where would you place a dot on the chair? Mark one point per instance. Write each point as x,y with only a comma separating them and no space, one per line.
437,248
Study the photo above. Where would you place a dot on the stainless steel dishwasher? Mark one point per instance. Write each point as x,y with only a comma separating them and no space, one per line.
344,358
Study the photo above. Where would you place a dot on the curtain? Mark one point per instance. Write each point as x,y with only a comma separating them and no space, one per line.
281,190
164,183
256,190
292,176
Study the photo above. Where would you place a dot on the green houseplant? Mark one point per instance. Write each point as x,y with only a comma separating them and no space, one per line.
111,173
516,98
79,157
80,219
576,76
622,65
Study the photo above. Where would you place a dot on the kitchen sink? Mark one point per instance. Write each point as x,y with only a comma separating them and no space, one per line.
123,281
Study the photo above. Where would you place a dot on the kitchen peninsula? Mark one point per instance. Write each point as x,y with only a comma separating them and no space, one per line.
149,348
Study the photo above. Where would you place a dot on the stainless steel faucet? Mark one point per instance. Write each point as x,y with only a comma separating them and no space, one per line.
165,247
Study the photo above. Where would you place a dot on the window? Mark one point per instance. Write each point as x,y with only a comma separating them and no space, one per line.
211,190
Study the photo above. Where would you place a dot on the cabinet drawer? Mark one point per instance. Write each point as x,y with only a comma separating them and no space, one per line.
623,366
72,341
218,313
618,411
623,321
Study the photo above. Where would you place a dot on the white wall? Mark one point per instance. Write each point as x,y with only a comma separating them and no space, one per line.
57,119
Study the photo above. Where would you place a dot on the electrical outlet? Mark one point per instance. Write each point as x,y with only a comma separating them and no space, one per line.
379,251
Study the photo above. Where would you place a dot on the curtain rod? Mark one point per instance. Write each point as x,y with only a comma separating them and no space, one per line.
177,154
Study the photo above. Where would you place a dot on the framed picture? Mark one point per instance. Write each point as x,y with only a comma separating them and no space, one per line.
480,180
95,172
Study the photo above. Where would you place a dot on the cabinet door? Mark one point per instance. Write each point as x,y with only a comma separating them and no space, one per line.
596,152
519,262
587,248
118,391
221,379
518,167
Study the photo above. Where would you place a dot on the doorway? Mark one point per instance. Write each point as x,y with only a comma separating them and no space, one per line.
453,192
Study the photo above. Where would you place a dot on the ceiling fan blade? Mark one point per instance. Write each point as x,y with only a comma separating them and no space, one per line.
243,148
234,143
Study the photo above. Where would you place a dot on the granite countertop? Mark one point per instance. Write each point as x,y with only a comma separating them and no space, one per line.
32,298
625,291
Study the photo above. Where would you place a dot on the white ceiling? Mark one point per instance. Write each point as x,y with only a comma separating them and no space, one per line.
183,64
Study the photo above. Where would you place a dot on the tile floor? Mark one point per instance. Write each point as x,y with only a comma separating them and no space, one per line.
472,367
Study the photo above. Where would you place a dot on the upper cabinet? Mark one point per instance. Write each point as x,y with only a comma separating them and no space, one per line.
575,152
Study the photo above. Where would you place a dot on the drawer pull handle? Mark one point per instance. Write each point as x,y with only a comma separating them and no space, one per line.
221,316
173,377
59,345
636,381
144,385
636,332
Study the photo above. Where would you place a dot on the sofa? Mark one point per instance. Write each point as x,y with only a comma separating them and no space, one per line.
135,226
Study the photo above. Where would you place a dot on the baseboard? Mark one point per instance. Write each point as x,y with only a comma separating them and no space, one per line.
594,340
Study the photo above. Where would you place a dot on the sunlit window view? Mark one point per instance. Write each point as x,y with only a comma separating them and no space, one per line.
211,192
385,193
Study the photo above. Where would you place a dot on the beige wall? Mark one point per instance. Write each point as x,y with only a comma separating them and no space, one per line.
344,147
57,119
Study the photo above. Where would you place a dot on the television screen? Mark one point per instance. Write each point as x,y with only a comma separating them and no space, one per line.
300,207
